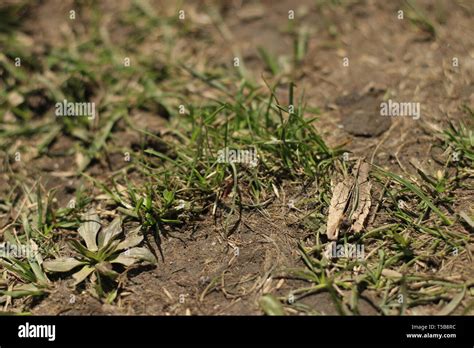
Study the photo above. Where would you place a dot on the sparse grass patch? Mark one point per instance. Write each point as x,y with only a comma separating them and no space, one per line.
417,233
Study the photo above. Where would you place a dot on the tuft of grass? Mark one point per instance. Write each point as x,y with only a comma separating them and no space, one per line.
270,61
417,191
419,18
461,140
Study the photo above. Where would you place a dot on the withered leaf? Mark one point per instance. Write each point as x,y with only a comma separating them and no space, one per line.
363,198
337,208
350,201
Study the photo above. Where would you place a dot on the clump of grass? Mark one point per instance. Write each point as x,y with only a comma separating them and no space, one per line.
188,171
460,139
23,273
33,236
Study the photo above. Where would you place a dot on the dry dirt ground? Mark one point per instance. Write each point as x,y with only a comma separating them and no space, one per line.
201,269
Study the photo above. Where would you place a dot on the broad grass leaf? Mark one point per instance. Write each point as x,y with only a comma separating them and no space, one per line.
23,290
451,306
89,228
82,274
40,276
135,254
132,239
271,306
110,232
64,264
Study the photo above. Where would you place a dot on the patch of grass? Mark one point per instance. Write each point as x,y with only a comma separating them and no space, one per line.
460,139
417,230
286,144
